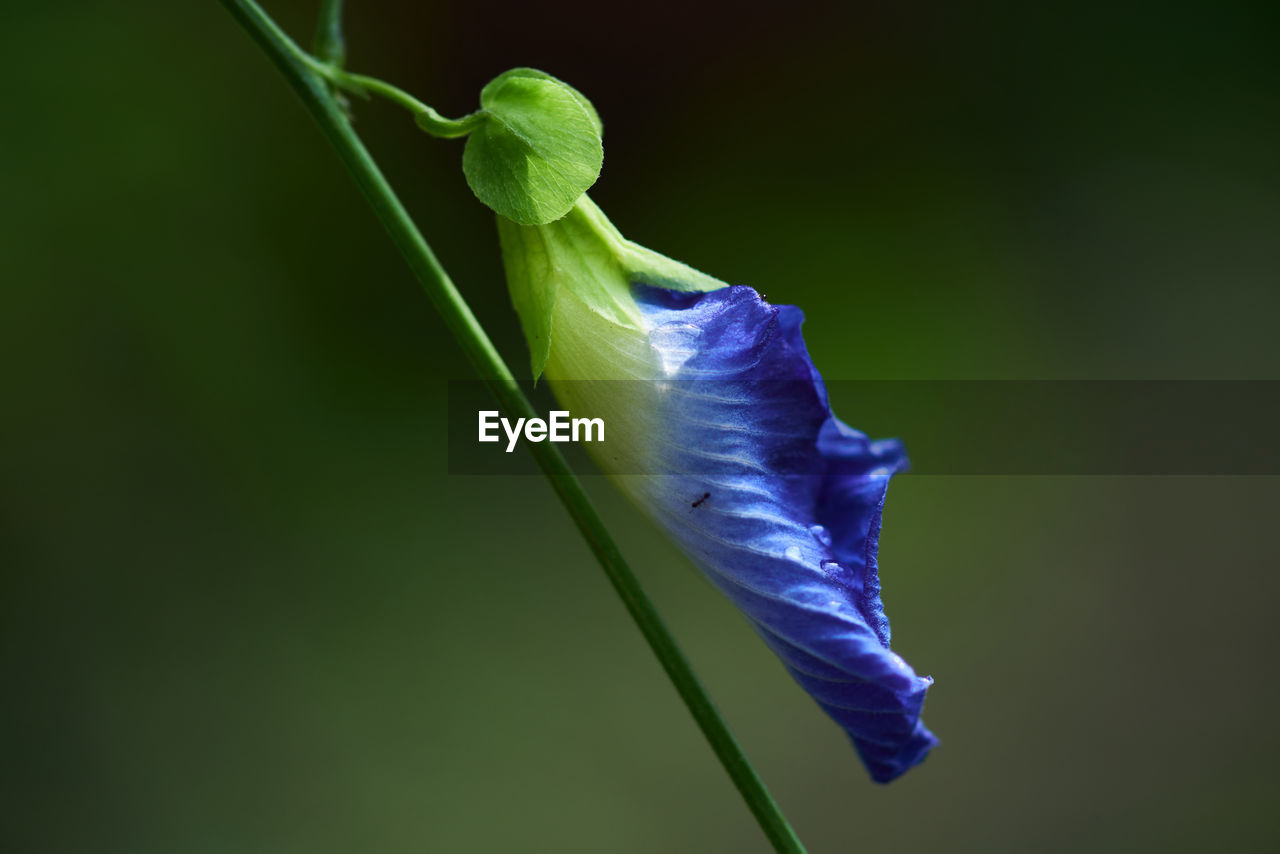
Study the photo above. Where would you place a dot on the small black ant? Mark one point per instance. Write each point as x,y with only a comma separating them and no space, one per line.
704,497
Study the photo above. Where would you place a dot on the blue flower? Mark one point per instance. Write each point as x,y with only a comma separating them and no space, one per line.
722,433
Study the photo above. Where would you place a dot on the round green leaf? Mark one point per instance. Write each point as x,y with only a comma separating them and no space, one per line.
538,151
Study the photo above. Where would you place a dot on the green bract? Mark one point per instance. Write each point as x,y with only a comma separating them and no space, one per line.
539,149
542,75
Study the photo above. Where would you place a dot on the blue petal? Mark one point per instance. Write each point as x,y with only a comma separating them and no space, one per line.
780,503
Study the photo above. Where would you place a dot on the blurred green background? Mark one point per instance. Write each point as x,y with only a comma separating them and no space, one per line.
243,608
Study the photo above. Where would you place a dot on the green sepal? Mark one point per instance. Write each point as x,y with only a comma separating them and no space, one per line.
584,253
539,149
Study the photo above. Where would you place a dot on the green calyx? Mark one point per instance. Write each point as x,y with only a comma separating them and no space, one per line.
586,255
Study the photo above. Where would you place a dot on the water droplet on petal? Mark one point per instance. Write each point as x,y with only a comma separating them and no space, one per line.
835,571
792,553
820,534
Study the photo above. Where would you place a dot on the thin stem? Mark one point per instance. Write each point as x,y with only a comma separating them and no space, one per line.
467,331
330,45
329,34
426,117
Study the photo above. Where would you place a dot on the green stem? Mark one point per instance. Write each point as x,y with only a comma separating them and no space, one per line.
426,117
299,70
330,45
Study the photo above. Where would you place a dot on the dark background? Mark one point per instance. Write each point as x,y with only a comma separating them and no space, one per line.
244,608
